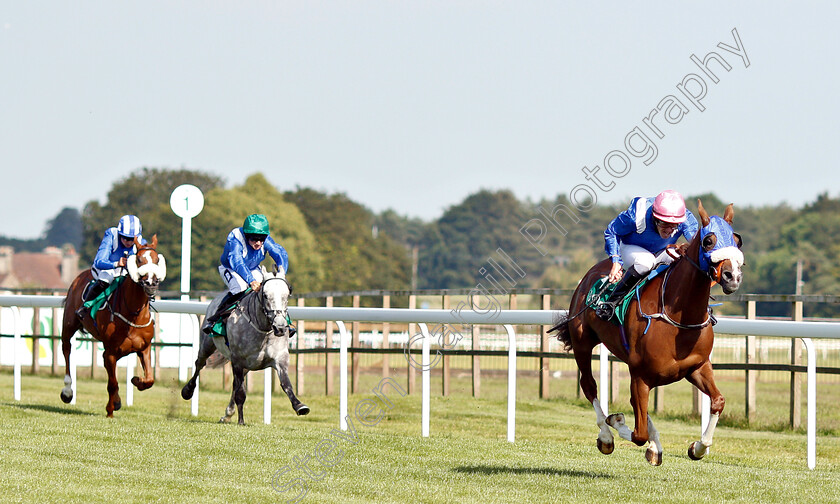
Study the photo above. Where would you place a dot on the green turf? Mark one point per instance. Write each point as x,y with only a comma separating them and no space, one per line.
155,451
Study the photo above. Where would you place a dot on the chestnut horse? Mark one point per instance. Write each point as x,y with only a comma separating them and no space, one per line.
668,332
124,325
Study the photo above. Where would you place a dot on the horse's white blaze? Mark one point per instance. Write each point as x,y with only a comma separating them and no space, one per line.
151,269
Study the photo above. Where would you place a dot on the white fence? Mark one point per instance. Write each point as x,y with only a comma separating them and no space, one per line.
451,318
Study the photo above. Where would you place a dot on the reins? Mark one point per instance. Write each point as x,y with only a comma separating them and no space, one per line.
122,317
663,315
249,310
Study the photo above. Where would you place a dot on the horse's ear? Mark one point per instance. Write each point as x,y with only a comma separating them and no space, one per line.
153,243
704,216
729,213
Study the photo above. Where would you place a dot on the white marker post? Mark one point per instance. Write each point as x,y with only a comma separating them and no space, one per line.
186,201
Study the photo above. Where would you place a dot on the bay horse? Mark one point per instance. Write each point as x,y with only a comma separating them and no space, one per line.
124,325
257,338
668,333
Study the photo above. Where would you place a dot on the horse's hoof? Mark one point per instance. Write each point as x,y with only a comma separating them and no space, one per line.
302,410
692,454
224,420
136,381
66,397
615,420
605,448
117,405
655,458
187,392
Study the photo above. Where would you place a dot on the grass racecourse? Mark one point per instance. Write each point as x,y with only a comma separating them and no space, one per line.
155,451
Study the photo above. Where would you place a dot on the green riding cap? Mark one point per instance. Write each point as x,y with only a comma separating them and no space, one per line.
255,224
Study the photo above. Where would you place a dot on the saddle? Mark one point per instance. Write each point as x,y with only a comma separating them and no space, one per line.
96,304
602,289
220,327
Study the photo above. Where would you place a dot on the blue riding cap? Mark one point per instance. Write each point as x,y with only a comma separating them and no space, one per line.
725,238
129,226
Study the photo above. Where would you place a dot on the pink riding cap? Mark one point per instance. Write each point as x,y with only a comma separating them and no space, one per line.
669,207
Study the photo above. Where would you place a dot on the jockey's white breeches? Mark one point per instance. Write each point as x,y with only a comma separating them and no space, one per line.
236,283
641,259
108,275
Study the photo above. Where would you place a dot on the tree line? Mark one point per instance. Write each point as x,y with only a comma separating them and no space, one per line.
337,244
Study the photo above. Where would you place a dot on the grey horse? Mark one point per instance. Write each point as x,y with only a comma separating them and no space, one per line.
258,338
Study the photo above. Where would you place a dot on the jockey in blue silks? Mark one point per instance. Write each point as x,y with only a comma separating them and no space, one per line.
636,240
245,249
112,256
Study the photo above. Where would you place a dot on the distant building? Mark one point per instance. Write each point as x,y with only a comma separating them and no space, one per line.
54,268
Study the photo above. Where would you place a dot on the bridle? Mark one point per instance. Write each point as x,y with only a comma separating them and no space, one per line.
267,313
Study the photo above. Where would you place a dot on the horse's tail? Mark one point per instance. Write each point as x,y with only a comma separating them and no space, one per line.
561,325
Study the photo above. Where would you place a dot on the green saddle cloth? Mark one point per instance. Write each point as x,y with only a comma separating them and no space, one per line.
220,328
600,292
96,304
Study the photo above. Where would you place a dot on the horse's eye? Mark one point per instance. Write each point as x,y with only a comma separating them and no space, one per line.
709,241
738,240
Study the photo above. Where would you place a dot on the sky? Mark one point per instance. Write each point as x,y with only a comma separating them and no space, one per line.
414,105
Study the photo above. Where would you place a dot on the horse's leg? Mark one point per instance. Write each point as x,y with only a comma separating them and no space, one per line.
239,394
299,407
231,407
654,451
205,350
114,402
639,395
69,326
582,348
704,379
146,362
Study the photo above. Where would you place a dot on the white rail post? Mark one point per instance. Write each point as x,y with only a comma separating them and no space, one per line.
705,408
342,375
812,402
427,382
16,351
196,329
72,369
182,367
129,371
267,396
604,360
511,420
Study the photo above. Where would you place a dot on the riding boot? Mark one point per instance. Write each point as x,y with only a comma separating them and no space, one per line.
224,304
91,293
606,310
